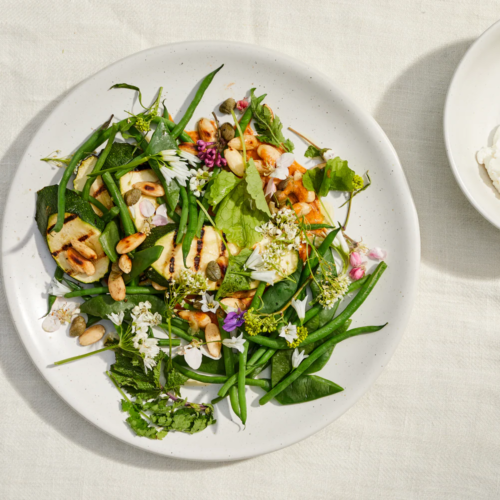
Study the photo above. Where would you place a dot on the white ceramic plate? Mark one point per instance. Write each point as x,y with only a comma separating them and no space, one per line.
303,98
472,112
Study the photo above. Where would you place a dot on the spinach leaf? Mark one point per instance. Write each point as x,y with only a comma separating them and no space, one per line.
102,305
223,184
314,152
281,364
120,153
268,127
307,388
235,282
244,209
335,176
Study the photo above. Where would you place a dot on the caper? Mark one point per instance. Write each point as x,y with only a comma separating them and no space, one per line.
283,184
227,131
197,305
227,106
132,197
78,326
213,271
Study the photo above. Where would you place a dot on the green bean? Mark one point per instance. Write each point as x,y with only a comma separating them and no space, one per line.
179,128
241,383
312,312
191,228
184,215
228,355
93,142
98,204
317,353
247,115
257,298
128,225
351,308
110,214
166,342
177,331
100,290
99,164
184,136
125,168
218,379
355,285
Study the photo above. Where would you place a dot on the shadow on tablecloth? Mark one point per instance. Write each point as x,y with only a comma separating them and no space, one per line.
455,237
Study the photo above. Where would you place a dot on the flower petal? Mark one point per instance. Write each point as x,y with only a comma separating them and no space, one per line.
270,188
285,160
193,357
159,220
147,208
51,323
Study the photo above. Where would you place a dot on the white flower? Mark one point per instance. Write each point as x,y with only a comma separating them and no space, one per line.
328,155
298,357
192,355
116,318
139,337
161,218
61,313
255,260
208,303
289,333
147,208
148,348
270,188
282,165
191,159
340,241
176,170
169,155
300,307
141,308
57,288
268,276
196,186
235,343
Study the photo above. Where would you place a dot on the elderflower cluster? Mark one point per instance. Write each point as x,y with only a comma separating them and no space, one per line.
188,283
256,324
198,182
302,334
332,288
142,320
283,228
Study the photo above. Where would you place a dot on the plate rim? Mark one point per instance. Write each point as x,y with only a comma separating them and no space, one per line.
446,120
412,215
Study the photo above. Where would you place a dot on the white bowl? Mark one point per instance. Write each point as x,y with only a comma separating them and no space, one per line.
471,115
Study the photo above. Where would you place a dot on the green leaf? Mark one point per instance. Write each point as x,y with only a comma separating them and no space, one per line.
281,365
173,379
235,282
314,152
307,388
268,127
102,305
120,153
238,217
160,140
223,184
335,176
254,187
130,87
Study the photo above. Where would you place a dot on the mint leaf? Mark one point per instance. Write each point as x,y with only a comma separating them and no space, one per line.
314,152
223,184
268,128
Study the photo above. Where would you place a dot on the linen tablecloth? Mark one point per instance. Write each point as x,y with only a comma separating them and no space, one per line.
429,428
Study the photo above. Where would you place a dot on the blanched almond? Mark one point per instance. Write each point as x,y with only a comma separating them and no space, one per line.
268,153
117,288
235,161
213,338
302,208
251,142
83,249
92,335
195,319
189,147
206,129
158,287
130,243
150,188
116,272
125,263
78,263
242,304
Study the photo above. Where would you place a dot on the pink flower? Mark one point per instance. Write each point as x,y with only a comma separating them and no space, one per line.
357,273
161,217
147,208
355,259
243,104
376,253
270,188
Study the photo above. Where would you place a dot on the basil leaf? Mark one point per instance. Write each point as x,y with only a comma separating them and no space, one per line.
307,388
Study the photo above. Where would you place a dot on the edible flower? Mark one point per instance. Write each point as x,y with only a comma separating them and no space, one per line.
298,357
235,343
282,164
268,276
147,208
193,353
302,334
270,188
208,153
161,217
356,273
376,253
57,288
234,320
61,313
116,318
193,160
176,170
243,104
332,288
355,259
289,332
300,307
208,303
255,260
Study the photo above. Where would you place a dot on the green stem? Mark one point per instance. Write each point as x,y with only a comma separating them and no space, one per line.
100,290
86,355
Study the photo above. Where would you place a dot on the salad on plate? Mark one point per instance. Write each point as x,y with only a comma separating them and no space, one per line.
213,253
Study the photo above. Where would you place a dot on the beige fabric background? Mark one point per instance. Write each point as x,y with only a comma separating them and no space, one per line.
429,428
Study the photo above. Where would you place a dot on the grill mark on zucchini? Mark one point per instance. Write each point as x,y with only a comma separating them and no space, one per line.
199,248
171,261
222,247
99,191
68,245
69,218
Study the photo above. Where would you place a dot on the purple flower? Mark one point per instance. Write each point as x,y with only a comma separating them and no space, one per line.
234,320
208,153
